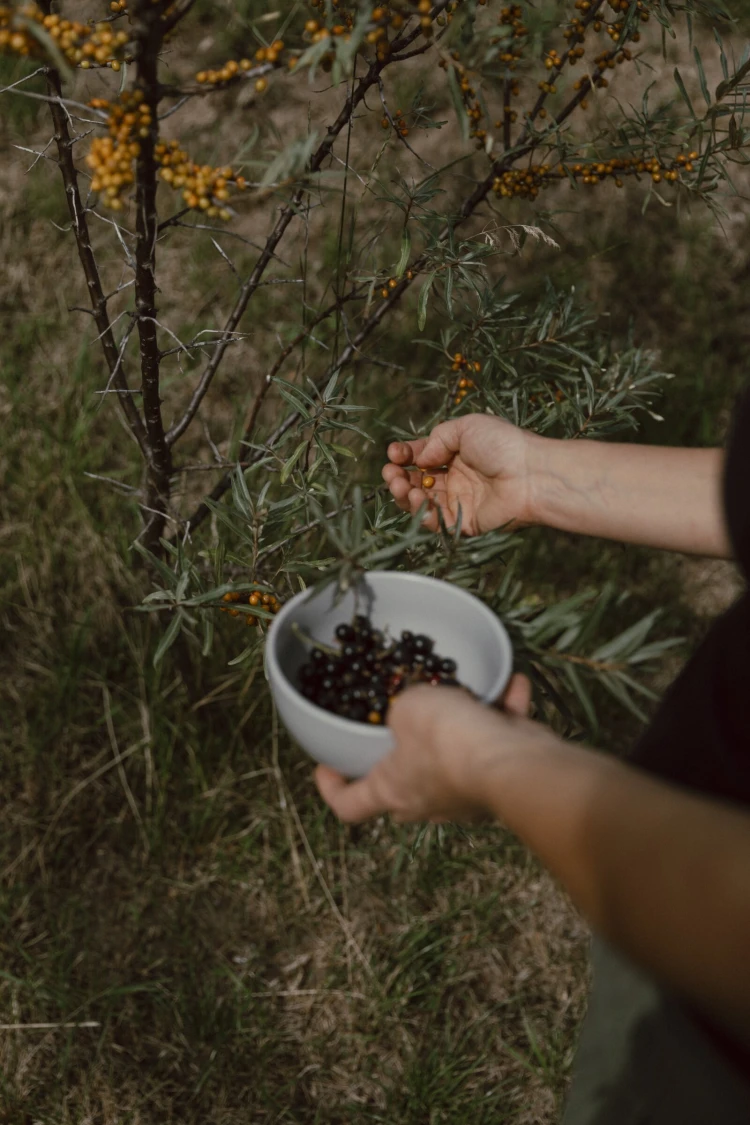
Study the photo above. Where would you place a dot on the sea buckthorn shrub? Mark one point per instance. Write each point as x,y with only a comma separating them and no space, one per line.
394,158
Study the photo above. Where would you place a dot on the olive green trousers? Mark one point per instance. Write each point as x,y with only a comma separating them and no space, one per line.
642,1061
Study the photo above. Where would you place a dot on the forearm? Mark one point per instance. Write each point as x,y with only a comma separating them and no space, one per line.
652,495
662,874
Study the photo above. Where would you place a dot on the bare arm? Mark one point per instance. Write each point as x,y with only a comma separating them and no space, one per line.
496,474
663,874
656,496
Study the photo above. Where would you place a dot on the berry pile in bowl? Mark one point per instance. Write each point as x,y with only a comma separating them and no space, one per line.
410,628
359,677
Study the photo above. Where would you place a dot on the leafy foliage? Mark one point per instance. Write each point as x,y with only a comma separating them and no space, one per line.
371,243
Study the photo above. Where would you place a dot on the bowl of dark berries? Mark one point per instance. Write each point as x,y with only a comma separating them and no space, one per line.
335,663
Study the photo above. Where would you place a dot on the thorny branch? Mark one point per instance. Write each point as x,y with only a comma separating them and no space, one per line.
147,31
80,227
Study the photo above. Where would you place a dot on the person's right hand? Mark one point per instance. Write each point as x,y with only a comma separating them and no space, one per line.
480,463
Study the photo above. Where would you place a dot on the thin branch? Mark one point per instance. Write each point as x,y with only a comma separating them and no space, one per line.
88,261
575,39
395,128
303,530
287,214
112,481
507,87
178,14
335,306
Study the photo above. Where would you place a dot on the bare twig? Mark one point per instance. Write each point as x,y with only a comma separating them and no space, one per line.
88,261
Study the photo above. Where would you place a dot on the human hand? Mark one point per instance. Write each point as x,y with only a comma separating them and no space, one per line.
447,745
488,473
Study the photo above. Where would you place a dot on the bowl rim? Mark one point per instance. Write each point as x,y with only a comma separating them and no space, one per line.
379,733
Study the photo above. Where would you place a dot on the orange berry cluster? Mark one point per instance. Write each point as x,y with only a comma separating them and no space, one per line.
399,123
473,106
512,17
465,383
523,183
392,283
118,6
536,399
81,44
268,601
111,158
318,32
232,69
527,183
204,188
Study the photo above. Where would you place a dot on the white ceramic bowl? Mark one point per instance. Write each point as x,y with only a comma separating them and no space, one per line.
461,626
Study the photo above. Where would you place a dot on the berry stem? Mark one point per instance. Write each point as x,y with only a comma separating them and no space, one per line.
311,642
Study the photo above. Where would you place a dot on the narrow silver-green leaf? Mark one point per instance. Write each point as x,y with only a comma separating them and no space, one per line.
168,639
683,91
405,251
701,75
423,295
291,462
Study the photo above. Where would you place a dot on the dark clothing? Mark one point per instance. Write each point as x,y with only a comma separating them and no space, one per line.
700,736
645,1058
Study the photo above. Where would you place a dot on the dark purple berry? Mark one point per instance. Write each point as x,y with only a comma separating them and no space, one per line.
345,633
448,666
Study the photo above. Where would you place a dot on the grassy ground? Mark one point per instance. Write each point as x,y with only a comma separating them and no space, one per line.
169,877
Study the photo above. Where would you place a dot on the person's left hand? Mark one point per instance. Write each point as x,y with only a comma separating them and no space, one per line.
446,744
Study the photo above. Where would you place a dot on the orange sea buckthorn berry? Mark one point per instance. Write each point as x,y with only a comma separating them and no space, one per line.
385,292
261,85
250,620
428,481
254,599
